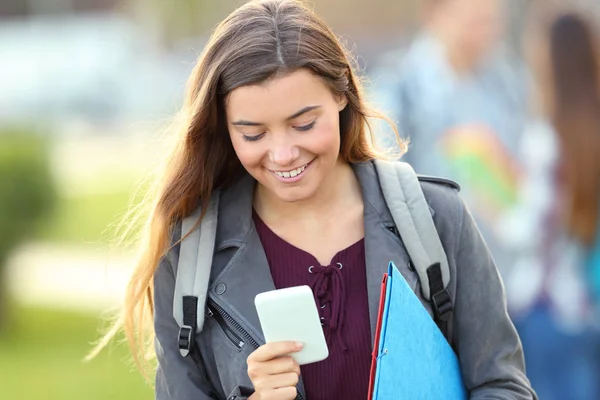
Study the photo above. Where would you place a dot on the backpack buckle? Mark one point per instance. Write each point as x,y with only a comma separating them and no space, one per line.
442,305
186,340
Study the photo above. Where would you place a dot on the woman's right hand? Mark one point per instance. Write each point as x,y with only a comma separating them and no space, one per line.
274,374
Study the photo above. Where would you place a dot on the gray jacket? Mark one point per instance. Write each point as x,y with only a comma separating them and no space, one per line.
487,344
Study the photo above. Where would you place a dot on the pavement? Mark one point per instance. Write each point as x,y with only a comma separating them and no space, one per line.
70,278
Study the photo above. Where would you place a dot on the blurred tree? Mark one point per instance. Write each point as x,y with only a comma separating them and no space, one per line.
27,194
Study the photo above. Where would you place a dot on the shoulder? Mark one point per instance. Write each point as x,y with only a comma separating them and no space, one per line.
434,180
171,258
446,205
442,195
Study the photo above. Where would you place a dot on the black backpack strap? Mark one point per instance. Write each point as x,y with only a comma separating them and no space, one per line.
187,338
187,332
441,301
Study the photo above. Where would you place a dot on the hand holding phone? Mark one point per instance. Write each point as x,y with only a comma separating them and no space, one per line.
291,314
273,373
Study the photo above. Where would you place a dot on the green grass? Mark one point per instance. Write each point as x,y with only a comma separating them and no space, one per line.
87,219
41,359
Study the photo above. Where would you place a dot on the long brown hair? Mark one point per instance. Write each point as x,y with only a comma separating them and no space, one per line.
259,40
576,116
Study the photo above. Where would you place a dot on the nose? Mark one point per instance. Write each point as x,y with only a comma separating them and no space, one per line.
284,153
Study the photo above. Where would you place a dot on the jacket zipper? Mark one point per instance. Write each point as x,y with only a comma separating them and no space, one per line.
392,228
230,333
225,320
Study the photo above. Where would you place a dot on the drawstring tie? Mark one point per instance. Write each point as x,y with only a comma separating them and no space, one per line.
329,288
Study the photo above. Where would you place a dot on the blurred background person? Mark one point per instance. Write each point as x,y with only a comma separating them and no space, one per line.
461,99
555,288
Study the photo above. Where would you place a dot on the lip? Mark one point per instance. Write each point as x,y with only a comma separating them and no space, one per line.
295,178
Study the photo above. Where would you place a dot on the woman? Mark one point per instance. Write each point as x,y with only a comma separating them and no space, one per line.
274,118
559,321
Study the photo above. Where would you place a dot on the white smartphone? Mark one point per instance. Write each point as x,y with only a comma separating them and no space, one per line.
291,314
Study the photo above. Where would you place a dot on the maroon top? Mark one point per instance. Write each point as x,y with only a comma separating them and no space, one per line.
340,291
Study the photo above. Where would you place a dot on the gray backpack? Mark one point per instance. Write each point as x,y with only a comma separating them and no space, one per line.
412,216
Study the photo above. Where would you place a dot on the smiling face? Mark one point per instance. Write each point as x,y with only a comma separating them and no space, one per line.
286,133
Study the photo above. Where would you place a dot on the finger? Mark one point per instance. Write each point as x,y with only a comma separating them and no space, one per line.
281,381
270,351
267,383
286,393
280,365
260,373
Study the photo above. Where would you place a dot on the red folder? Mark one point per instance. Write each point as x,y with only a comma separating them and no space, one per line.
377,336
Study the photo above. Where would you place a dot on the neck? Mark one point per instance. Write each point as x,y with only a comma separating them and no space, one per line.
461,60
340,189
462,63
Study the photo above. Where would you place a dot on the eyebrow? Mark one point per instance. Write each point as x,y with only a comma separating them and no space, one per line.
295,115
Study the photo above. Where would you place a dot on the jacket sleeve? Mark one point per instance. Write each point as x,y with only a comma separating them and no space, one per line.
486,341
177,378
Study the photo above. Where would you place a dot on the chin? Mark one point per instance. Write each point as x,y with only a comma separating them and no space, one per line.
293,195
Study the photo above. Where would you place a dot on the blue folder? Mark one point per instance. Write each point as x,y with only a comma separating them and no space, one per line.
414,360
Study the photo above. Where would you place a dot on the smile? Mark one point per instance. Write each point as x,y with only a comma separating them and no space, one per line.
291,175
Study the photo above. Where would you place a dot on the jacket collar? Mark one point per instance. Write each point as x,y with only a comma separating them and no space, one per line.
247,272
235,206
235,213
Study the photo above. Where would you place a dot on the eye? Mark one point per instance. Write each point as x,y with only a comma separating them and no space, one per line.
253,138
305,128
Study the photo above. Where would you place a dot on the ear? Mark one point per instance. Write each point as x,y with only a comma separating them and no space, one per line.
342,102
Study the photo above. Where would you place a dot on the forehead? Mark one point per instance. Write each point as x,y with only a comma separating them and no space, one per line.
278,97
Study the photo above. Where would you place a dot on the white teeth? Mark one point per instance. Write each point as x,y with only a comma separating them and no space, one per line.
291,174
